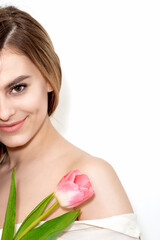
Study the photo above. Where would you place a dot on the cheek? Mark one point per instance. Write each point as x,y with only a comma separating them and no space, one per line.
33,103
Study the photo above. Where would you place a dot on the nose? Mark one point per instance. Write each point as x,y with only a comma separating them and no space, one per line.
6,109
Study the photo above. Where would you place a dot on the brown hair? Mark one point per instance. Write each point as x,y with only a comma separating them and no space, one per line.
20,31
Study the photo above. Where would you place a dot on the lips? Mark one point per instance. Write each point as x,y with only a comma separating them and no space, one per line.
12,127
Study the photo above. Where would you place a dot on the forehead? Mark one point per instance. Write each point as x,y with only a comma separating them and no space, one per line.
10,58
14,64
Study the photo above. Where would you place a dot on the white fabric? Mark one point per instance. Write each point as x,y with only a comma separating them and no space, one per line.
122,227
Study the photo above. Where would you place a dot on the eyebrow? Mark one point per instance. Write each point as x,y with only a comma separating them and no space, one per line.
17,80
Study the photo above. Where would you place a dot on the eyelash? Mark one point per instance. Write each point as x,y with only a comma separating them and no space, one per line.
19,86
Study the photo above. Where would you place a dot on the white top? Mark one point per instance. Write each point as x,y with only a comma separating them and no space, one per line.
122,227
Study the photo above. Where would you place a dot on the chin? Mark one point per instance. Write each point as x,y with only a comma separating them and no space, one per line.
16,142
14,145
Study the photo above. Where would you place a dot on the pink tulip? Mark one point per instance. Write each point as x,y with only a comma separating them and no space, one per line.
73,189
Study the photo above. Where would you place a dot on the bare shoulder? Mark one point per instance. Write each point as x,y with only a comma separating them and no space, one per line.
110,198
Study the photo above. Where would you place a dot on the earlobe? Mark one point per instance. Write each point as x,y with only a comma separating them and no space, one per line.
49,87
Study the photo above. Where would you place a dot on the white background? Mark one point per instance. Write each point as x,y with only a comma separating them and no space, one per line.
110,101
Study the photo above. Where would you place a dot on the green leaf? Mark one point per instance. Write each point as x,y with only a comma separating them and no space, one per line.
52,228
37,211
9,222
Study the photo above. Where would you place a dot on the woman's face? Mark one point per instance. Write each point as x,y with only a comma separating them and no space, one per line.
23,99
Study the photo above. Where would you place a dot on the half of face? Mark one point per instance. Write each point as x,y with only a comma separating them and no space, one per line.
23,99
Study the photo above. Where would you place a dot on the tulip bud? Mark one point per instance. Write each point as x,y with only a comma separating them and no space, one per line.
73,189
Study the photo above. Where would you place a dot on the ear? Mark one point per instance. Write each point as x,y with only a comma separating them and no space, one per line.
49,87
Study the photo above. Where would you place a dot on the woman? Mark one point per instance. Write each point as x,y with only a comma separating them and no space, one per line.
30,81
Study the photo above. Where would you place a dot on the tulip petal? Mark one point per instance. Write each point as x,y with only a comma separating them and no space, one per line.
70,176
67,186
88,193
82,180
66,199
77,199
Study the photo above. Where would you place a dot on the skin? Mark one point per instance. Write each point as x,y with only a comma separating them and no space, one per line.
40,155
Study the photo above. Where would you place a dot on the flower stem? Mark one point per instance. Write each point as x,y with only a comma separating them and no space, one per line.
33,224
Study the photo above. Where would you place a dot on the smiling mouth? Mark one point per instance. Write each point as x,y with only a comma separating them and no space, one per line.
11,124
12,127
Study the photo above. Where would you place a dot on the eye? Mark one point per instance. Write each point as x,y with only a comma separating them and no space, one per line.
18,88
